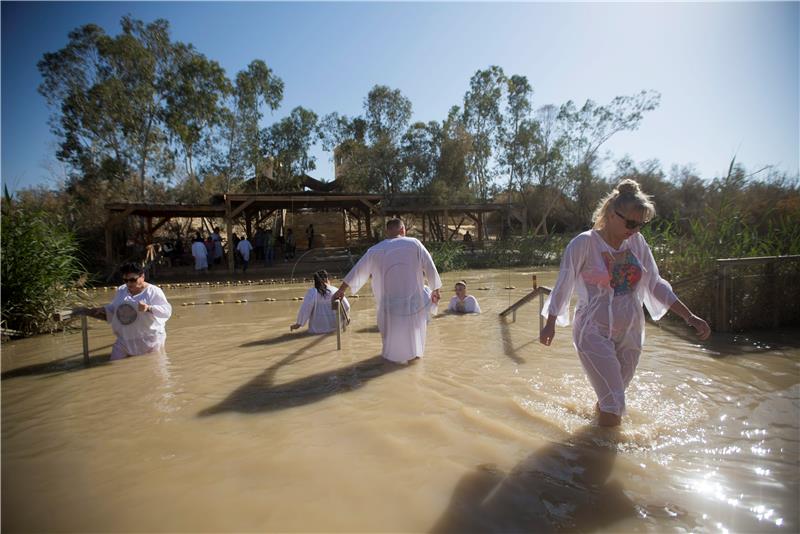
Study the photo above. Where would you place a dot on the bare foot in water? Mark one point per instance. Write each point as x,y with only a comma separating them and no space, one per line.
607,418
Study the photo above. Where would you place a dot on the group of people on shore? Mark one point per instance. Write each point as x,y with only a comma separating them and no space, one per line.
265,246
610,267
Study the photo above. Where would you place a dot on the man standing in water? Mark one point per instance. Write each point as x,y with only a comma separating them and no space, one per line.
398,266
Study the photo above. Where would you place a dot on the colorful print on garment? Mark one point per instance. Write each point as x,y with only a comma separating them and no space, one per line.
625,271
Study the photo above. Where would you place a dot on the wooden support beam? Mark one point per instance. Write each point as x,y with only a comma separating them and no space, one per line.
160,223
372,207
149,229
261,218
109,241
246,204
229,231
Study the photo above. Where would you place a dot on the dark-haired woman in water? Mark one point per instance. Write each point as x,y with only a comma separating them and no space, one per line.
316,309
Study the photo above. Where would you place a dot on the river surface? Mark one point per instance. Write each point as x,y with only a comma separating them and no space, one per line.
244,426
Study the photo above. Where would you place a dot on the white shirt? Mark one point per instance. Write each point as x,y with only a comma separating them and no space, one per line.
468,305
398,267
244,247
145,331
200,254
317,311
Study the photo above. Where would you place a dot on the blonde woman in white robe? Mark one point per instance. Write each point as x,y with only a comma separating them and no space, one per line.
611,267
316,309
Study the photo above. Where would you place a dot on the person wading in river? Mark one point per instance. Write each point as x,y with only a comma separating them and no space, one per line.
613,270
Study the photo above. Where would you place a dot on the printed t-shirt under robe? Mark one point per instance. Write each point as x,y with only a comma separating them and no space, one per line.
317,311
138,332
398,266
612,284
468,305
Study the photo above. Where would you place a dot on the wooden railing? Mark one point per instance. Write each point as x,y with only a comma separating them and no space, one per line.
66,316
724,306
539,291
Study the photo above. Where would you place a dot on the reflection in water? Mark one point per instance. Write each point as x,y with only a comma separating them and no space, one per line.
710,441
563,486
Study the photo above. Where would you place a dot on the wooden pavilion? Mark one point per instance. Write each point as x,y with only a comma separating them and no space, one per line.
251,209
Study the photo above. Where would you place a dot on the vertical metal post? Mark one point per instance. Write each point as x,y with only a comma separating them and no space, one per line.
722,298
85,336
338,324
541,307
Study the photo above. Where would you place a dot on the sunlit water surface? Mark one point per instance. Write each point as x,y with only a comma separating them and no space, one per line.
243,426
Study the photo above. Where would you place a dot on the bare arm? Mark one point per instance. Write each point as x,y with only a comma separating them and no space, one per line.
548,331
340,292
701,327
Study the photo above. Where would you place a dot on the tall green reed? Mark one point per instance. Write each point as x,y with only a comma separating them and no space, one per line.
39,269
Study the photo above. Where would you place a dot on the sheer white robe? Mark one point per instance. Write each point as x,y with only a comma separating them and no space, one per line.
398,267
317,312
147,332
609,330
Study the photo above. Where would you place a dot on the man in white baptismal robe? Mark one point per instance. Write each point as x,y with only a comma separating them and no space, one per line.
398,266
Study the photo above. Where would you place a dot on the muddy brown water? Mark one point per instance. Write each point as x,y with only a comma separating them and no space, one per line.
244,426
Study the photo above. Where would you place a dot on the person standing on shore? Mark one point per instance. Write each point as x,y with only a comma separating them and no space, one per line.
398,266
310,235
244,248
200,254
612,268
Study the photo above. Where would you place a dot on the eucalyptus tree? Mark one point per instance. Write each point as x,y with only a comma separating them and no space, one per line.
387,114
482,117
548,170
288,143
516,132
106,99
421,148
255,88
585,130
195,103
346,138
451,174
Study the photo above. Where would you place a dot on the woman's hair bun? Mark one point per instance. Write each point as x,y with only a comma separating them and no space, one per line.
628,186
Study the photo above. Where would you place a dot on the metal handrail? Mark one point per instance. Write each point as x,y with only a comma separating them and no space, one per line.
539,291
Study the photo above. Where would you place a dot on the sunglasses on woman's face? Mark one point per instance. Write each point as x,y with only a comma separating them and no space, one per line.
630,224
130,280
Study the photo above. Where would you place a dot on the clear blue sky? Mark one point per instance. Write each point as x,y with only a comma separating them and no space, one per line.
727,72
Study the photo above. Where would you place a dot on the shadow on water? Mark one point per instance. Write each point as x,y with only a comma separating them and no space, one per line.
68,364
562,487
262,395
277,340
508,343
720,345
369,330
